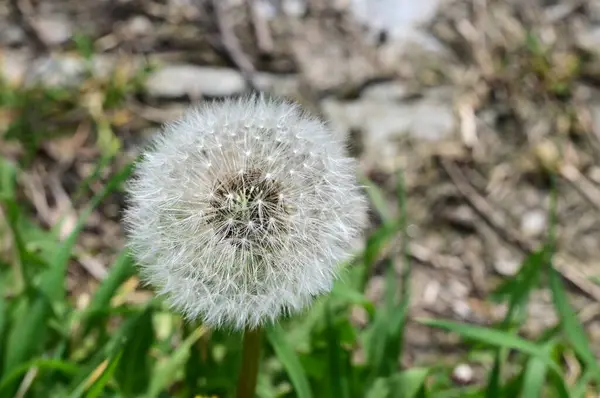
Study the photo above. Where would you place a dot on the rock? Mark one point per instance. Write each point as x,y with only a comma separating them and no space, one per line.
462,309
462,374
594,11
595,111
431,292
294,8
458,289
174,81
400,19
57,70
387,91
66,70
279,85
11,35
379,122
266,9
534,223
382,122
589,39
330,61
54,29
507,265
104,65
138,26
13,65
432,120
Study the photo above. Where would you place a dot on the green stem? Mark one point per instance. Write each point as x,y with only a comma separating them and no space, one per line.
250,360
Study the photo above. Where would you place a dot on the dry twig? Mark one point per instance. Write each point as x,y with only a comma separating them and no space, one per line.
231,44
23,11
586,188
562,263
264,39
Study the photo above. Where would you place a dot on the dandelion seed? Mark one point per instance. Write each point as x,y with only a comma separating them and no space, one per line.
252,225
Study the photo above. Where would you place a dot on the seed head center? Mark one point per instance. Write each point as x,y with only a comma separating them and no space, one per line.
248,207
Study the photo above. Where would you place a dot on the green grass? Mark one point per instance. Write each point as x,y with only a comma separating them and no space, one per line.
49,347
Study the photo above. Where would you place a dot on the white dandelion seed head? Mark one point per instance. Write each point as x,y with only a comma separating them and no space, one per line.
241,211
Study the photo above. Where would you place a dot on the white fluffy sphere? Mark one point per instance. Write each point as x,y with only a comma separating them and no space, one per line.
241,211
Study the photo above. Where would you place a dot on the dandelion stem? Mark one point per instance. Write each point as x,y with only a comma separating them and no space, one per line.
250,361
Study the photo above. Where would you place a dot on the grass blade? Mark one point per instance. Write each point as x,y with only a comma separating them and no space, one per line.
87,375
346,293
120,271
3,324
336,359
374,246
42,364
164,374
53,281
290,361
535,375
582,388
408,383
378,200
400,312
378,335
98,387
492,389
519,288
8,175
571,326
29,332
496,338
133,374
379,389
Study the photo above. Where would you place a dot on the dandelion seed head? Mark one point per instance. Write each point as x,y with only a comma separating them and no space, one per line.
241,211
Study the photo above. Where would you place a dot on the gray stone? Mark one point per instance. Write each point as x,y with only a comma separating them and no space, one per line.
463,374
58,69
390,91
594,11
589,39
54,29
55,70
379,121
382,123
13,65
280,85
458,289
68,70
534,223
139,26
462,309
402,19
294,8
11,34
430,118
507,265
175,81
595,110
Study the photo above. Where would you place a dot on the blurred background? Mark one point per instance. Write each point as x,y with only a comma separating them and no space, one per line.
477,127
